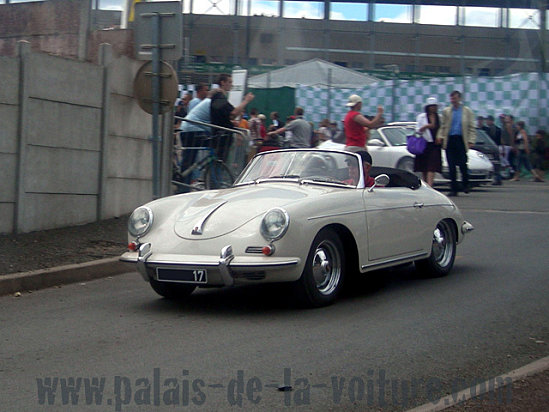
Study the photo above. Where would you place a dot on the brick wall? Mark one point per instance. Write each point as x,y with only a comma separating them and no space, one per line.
51,26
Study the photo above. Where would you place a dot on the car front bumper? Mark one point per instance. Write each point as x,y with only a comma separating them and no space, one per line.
226,269
476,176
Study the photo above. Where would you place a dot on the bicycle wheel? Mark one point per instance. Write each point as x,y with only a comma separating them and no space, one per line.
218,176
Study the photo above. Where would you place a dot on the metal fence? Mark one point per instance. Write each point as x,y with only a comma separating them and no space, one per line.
207,156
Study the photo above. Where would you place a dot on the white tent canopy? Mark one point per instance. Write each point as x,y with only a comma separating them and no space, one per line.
315,72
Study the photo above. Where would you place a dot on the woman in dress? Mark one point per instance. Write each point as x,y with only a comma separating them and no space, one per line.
430,161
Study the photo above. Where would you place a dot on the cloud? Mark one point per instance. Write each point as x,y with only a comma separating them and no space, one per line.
442,15
111,4
304,10
336,15
264,9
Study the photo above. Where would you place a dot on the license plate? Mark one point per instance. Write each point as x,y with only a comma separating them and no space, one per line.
182,275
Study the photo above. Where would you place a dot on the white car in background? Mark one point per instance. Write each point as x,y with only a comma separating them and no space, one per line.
387,145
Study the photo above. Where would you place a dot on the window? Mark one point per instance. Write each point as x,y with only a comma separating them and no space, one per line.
393,13
218,7
524,19
480,16
306,10
348,11
440,15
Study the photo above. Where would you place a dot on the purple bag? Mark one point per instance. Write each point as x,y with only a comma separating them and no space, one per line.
415,144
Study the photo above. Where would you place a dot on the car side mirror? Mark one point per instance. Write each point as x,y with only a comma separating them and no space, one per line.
381,180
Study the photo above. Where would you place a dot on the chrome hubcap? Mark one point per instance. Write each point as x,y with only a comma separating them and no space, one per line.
442,244
326,267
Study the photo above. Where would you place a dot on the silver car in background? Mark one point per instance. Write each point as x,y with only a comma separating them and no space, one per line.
387,145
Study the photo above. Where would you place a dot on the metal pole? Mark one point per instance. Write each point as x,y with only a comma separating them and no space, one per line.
329,101
156,138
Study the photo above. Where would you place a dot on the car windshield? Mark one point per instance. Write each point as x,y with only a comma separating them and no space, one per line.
314,166
397,135
484,139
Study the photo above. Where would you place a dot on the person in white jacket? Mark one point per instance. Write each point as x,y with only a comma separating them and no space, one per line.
428,123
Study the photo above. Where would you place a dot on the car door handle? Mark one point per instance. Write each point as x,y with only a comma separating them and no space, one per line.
419,204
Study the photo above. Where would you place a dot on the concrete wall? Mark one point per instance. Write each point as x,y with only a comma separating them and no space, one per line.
128,151
74,144
9,101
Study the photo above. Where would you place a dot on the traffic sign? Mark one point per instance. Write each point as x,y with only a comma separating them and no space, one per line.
170,29
143,87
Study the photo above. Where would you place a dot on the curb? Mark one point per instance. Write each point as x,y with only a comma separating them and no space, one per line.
490,385
62,275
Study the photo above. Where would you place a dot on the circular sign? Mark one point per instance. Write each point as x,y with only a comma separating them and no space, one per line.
142,87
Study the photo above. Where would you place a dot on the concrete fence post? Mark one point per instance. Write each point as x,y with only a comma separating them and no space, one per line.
23,51
105,60
167,153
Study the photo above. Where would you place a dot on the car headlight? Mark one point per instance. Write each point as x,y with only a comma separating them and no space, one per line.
140,221
481,155
274,224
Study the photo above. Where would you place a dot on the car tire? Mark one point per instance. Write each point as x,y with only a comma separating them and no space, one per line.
443,252
172,290
322,277
406,163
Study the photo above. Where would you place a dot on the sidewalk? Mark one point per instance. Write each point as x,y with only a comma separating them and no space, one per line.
36,260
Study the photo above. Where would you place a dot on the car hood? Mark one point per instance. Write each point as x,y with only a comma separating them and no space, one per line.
217,213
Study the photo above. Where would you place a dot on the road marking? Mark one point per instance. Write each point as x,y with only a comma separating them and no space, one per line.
491,384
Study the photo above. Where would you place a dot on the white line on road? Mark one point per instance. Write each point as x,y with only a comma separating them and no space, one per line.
485,387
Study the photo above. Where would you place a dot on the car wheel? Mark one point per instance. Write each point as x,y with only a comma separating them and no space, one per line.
172,290
406,163
443,251
322,277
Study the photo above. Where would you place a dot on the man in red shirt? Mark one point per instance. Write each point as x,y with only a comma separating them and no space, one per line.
355,124
354,177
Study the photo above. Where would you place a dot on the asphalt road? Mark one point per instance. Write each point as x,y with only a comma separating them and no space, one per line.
392,342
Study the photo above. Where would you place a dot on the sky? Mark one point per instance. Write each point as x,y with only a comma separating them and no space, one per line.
475,16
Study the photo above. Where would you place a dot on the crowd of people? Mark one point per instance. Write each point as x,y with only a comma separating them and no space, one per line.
454,129
516,150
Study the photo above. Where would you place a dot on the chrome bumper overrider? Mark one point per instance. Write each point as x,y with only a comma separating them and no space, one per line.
225,259
225,265
466,227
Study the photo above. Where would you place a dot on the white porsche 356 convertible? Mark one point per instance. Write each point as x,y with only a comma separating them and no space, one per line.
296,216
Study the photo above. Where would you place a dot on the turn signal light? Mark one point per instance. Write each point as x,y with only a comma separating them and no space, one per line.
268,250
132,246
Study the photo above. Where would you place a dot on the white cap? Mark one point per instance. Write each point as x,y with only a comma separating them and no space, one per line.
431,101
354,99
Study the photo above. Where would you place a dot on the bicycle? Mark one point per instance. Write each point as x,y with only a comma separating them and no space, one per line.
213,172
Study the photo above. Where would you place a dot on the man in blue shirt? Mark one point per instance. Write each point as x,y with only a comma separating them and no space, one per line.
201,93
457,133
